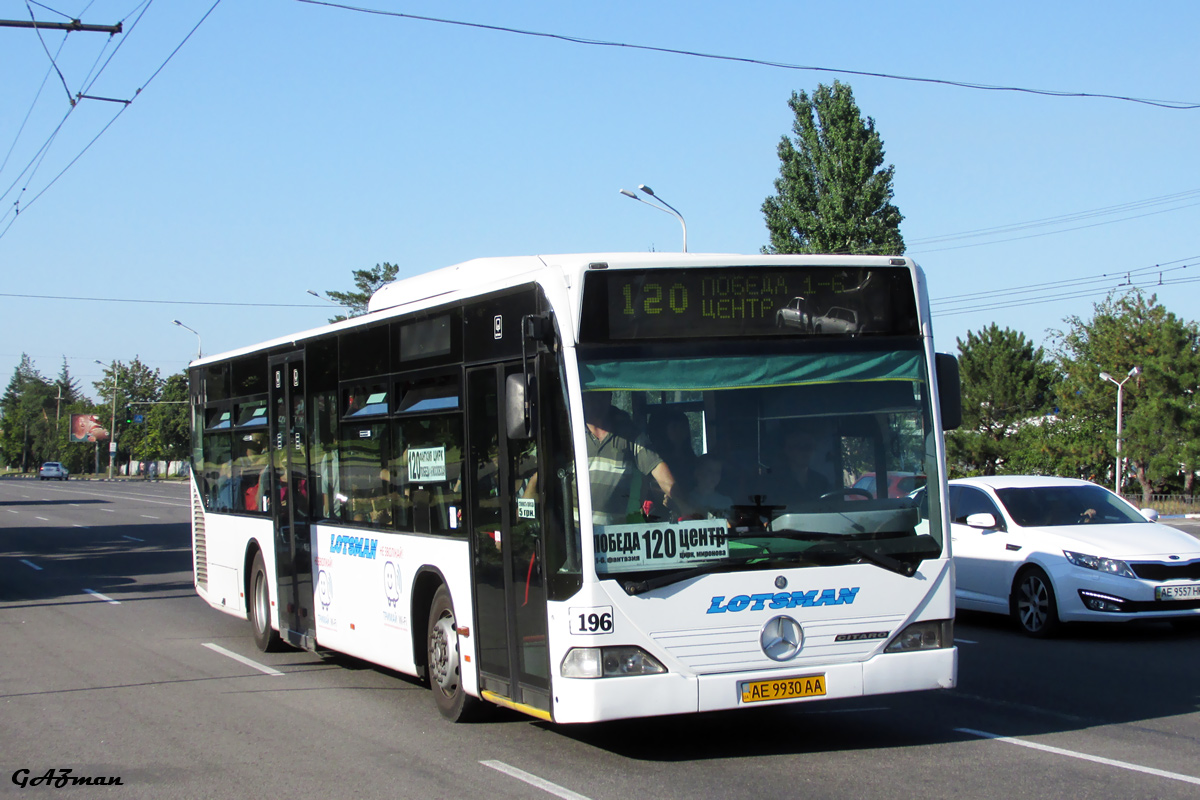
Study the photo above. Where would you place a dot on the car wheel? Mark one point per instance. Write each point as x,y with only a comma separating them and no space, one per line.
445,661
266,638
1033,605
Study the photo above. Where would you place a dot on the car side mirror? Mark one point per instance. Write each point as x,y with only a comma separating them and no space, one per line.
1150,514
984,519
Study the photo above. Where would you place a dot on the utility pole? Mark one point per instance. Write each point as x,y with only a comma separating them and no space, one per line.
73,25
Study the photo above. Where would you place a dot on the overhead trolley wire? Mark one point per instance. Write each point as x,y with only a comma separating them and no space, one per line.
1178,105
15,209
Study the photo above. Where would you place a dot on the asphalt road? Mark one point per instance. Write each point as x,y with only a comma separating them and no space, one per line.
112,667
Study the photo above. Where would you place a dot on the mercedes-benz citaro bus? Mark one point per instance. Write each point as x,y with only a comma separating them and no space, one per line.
590,487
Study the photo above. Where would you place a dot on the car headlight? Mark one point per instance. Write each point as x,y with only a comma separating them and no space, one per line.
609,662
1110,566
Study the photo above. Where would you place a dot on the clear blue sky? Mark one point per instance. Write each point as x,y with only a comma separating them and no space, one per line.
286,144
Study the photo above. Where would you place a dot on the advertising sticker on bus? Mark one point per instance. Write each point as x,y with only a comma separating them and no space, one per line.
658,545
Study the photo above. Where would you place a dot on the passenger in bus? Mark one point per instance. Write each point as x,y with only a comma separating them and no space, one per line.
617,458
704,497
671,438
793,480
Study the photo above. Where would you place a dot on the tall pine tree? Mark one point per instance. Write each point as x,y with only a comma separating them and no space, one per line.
833,194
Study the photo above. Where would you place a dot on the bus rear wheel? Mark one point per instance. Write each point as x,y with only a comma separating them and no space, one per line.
445,671
266,638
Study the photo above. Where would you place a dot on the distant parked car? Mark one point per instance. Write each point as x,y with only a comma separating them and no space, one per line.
836,320
52,469
1052,550
794,315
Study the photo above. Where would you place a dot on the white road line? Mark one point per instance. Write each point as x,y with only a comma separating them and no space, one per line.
132,538
12,511
107,510
29,563
147,516
77,525
965,641
534,780
103,597
216,648
43,519
1175,776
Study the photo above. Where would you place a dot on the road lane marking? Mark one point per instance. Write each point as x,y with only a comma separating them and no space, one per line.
103,597
1175,776
216,648
12,511
147,516
534,780
107,510
29,563
965,641
132,538
77,525
43,519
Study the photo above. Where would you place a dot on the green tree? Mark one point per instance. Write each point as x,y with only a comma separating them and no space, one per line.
138,387
27,418
1160,424
167,428
833,194
1006,382
367,282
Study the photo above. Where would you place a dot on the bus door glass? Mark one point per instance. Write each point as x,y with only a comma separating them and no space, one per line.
288,500
510,591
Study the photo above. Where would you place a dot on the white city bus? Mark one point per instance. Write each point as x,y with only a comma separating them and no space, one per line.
419,487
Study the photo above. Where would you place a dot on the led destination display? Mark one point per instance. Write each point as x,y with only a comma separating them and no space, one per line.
748,301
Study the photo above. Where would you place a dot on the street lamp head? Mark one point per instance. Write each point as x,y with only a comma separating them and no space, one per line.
1104,376
644,188
177,322
1135,371
628,193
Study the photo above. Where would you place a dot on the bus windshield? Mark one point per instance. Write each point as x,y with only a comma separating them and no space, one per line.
740,462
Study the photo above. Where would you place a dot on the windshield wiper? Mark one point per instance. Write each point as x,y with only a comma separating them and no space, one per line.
926,547
650,584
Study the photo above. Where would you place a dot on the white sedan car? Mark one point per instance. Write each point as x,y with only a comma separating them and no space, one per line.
1054,550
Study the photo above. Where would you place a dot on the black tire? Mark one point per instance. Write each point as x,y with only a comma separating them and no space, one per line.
1033,604
258,612
445,662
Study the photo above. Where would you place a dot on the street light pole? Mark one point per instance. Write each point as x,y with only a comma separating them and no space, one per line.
199,346
1120,397
668,210
112,430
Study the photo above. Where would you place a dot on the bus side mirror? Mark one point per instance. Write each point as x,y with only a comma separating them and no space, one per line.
519,411
949,391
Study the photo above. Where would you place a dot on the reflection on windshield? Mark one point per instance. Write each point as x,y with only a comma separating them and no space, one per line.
744,461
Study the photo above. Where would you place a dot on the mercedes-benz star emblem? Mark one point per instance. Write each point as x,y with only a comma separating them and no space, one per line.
781,638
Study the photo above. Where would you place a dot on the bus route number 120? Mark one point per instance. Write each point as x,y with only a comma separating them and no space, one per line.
591,621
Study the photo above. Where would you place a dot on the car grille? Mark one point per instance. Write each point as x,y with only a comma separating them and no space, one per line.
1158,571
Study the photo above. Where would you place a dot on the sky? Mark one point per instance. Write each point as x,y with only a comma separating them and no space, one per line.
225,159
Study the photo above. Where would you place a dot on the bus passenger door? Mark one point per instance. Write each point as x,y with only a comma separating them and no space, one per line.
506,548
288,500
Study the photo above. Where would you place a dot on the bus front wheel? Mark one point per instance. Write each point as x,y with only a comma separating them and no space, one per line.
445,678
266,638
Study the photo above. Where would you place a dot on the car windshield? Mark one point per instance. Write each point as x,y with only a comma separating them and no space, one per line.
1048,506
745,462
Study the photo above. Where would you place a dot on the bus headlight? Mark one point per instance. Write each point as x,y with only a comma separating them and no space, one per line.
609,662
932,635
